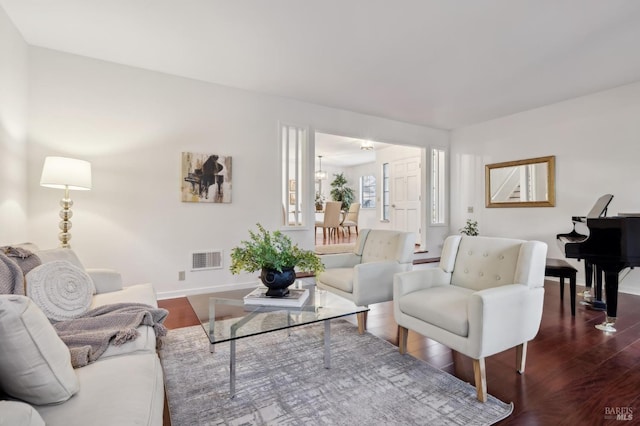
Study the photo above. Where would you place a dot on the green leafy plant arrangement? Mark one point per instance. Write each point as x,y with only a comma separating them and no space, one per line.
471,228
319,200
272,251
341,192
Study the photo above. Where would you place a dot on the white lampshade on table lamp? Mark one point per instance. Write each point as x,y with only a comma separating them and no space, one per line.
66,173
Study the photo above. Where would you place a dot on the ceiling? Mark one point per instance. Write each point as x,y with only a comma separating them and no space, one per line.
439,63
341,151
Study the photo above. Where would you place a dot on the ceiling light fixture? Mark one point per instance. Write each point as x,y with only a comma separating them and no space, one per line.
366,145
320,174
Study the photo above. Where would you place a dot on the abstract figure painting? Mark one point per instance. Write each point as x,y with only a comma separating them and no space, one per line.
205,178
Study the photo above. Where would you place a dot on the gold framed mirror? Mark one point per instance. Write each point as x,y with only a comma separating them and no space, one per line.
521,183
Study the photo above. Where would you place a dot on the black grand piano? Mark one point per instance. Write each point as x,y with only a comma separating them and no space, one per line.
612,244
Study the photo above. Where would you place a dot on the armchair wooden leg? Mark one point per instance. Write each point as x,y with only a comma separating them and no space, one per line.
480,374
521,357
403,333
362,321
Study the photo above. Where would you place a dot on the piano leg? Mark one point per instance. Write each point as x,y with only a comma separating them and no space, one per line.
598,304
588,279
598,289
611,291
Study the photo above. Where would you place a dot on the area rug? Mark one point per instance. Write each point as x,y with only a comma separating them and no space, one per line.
335,248
281,380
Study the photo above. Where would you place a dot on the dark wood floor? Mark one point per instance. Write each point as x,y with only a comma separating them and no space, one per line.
576,375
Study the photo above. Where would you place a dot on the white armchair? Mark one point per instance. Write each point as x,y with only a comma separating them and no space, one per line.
486,296
365,276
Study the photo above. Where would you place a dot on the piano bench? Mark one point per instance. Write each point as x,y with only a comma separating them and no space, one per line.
561,269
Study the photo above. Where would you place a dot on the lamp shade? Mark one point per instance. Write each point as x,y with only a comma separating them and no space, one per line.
62,172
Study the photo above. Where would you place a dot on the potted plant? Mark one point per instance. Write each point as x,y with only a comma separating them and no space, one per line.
276,257
471,228
319,201
341,192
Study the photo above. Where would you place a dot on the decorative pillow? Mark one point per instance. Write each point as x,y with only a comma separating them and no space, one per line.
18,413
60,254
67,254
35,365
61,290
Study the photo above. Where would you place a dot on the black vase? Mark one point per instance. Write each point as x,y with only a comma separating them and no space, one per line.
277,281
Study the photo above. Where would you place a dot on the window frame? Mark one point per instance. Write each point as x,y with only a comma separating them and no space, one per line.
385,205
438,186
293,144
371,185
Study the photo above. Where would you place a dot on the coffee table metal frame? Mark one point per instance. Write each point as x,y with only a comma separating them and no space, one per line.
321,306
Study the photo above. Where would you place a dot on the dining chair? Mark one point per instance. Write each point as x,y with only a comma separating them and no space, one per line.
331,220
352,218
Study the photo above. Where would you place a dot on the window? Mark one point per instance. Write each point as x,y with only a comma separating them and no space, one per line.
438,186
293,142
367,192
385,192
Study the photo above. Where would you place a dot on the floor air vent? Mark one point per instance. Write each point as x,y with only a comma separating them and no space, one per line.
202,260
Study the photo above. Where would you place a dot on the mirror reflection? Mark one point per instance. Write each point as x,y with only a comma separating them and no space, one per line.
522,183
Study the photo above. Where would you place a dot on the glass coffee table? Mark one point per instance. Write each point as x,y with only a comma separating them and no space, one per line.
226,318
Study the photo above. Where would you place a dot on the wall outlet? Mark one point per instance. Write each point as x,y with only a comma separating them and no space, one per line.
180,275
470,209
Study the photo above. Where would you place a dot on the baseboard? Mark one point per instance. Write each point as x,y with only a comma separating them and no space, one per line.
203,290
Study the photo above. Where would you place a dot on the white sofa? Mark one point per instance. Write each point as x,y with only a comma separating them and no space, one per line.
123,387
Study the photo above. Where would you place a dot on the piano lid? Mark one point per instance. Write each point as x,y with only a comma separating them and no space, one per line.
599,209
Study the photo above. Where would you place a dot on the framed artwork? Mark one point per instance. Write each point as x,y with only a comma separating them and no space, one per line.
292,198
205,178
292,184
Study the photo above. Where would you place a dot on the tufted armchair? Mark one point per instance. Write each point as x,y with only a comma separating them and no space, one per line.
365,276
486,296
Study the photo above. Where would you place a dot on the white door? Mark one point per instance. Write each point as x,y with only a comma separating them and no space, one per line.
405,195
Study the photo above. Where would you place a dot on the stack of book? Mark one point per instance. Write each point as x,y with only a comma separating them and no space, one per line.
295,298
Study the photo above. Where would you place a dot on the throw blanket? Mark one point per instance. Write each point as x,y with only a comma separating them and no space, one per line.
11,278
15,262
25,259
89,335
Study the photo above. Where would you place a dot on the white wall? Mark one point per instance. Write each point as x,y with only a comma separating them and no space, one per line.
13,128
132,125
596,141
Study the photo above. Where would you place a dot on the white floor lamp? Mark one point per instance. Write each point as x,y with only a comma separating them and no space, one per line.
66,173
